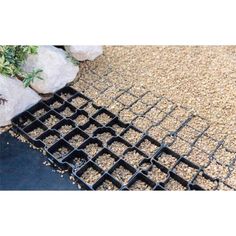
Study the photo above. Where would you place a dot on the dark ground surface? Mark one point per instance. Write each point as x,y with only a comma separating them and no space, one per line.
22,168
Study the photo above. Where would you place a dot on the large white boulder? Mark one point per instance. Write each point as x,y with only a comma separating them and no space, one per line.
18,99
82,53
57,68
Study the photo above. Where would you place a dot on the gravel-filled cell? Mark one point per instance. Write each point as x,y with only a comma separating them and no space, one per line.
165,105
118,147
133,158
76,140
107,185
138,90
122,174
174,185
65,129
148,147
224,157
139,108
126,99
35,132
149,98
188,134
156,174
198,157
205,183
50,139
216,170
170,123
105,161
142,123
67,112
56,104
102,100
90,176
90,109
185,171
127,116
206,144
40,112
132,136
198,123
61,152
90,129
103,118
78,102
167,160
181,147
155,115
92,149
157,132
51,121
81,119
117,128
104,136
231,180
140,185
115,107
180,113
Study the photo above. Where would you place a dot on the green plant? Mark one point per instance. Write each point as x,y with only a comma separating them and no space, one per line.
11,60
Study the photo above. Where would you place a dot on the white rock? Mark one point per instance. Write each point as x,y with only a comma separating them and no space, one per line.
18,99
82,53
58,70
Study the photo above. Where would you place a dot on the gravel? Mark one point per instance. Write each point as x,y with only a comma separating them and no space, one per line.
92,149
105,161
173,185
56,105
205,183
132,136
36,132
142,123
103,118
51,121
140,185
104,137
78,102
118,147
67,112
224,157
167,160
39,113
64,129
90,176
90,109
62,151
126,99
199,157
107,185
91,128
157,175
122,174
117,128
185,171
81,120
76,140
148,147
78,161
133,158
216,170
51,139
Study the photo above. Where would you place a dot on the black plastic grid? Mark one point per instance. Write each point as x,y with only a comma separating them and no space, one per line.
80,116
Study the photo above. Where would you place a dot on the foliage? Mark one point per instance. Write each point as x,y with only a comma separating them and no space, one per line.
11,60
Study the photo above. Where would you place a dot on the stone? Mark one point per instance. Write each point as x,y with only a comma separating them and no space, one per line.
82,53
58,70
18,98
